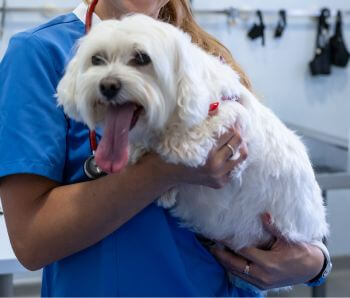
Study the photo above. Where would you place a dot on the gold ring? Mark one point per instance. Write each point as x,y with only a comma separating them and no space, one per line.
232,150
247,269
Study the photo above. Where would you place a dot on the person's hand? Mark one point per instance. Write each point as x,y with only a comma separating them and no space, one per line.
216,172
285,264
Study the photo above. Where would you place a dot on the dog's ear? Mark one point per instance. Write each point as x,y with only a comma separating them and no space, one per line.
66,90
192,95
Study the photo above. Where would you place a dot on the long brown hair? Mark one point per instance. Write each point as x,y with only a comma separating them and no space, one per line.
178,13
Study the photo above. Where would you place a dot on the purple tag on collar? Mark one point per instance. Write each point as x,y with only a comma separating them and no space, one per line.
231,98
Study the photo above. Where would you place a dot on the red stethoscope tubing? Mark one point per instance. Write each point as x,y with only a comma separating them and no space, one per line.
88,23
89,14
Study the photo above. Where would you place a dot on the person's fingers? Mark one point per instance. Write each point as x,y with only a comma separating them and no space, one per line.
225,138
230,165
252,254
255,255
237,265
231,261
270,227
249,278
260,256
241,152
230,148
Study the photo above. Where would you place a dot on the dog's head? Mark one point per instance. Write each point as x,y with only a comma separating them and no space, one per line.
137,71
138,60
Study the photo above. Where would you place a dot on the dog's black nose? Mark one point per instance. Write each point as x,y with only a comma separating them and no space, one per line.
110,87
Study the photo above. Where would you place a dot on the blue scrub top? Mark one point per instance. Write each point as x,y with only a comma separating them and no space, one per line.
150,255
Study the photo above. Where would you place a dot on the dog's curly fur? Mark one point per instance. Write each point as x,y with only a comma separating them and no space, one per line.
175,91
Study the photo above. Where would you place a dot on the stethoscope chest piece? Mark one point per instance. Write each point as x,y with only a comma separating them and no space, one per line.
92,170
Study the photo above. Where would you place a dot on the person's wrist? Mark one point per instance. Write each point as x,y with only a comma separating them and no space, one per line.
168,173
323,272
317,259
172,174
181,174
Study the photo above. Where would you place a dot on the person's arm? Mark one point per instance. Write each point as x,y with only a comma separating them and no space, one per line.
285,264
47,222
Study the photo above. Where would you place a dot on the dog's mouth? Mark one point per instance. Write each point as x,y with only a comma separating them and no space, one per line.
112,152
137,112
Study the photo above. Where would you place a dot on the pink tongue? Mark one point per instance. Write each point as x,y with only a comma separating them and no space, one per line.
112,151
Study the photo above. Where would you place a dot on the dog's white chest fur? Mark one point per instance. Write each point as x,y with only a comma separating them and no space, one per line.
277,177
175,91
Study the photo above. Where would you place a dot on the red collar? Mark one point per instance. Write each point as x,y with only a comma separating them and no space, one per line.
214,106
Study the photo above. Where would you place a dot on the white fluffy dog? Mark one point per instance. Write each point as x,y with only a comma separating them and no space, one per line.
151,88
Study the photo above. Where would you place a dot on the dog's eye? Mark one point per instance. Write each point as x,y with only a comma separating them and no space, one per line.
97,60
141,59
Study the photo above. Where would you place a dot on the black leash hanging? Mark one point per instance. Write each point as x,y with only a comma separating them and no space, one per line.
339,52
258,30
321,64
282,23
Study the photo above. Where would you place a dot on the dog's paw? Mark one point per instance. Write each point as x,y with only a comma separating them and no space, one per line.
168,199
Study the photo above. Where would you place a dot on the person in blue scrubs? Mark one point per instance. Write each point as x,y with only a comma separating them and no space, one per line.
107,237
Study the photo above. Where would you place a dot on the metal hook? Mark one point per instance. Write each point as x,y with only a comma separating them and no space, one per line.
232,14
3,17
325,14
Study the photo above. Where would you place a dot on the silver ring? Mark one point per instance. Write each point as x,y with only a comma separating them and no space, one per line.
247,269
232,150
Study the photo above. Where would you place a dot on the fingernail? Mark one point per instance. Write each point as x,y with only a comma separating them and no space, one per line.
268,218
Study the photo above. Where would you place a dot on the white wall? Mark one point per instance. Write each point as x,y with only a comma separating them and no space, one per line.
16,22
280,75
280,70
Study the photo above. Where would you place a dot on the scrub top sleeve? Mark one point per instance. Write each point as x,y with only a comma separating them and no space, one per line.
32,128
